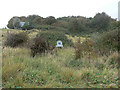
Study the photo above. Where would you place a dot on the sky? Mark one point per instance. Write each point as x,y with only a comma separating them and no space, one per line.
56,8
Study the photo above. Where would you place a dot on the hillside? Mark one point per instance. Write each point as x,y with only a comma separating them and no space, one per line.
57,70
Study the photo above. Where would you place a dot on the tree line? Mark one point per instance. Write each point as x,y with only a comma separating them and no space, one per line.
76,24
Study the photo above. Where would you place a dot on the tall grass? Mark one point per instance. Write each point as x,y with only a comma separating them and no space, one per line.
61,71
58,70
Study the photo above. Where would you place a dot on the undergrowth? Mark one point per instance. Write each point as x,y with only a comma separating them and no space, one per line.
58,70
61,71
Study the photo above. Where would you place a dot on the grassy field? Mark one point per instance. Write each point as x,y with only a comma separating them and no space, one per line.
57,70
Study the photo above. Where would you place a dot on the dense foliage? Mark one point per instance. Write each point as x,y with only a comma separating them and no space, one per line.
73,24
28,26
101,21
108,41
16,39
13,23
38,45
104,44
84,48
52,37
91,63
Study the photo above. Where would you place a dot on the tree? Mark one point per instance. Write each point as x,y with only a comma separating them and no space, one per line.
73,25
23,18
36,19
14,23
31,17
101,21
28,26
50,20
10,24
76,25
114,24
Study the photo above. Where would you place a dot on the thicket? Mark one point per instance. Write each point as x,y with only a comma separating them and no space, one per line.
44,41
84,48
105,44
16,39
53,36
108,42
38,45
28,26
74,24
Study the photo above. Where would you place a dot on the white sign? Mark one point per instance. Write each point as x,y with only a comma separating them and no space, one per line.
59,44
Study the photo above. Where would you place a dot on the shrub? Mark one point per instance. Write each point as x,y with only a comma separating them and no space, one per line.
16,39
38,45
78,50
113,60
84,48
49,27
102,45
28,26
45,27
107,42
53,36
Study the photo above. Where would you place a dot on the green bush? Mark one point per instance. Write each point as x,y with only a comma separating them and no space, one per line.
45,27
104,44
16,39
28,26
107,42
49,27
53,36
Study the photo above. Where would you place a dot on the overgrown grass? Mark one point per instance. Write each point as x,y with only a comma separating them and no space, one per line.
58,70
61,70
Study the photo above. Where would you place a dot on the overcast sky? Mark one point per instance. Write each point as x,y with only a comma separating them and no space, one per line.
56,8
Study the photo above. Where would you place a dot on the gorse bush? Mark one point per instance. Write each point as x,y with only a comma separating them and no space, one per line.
38,45
52,37
16,39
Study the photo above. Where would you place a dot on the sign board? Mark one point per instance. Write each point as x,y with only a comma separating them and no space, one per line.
59,44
